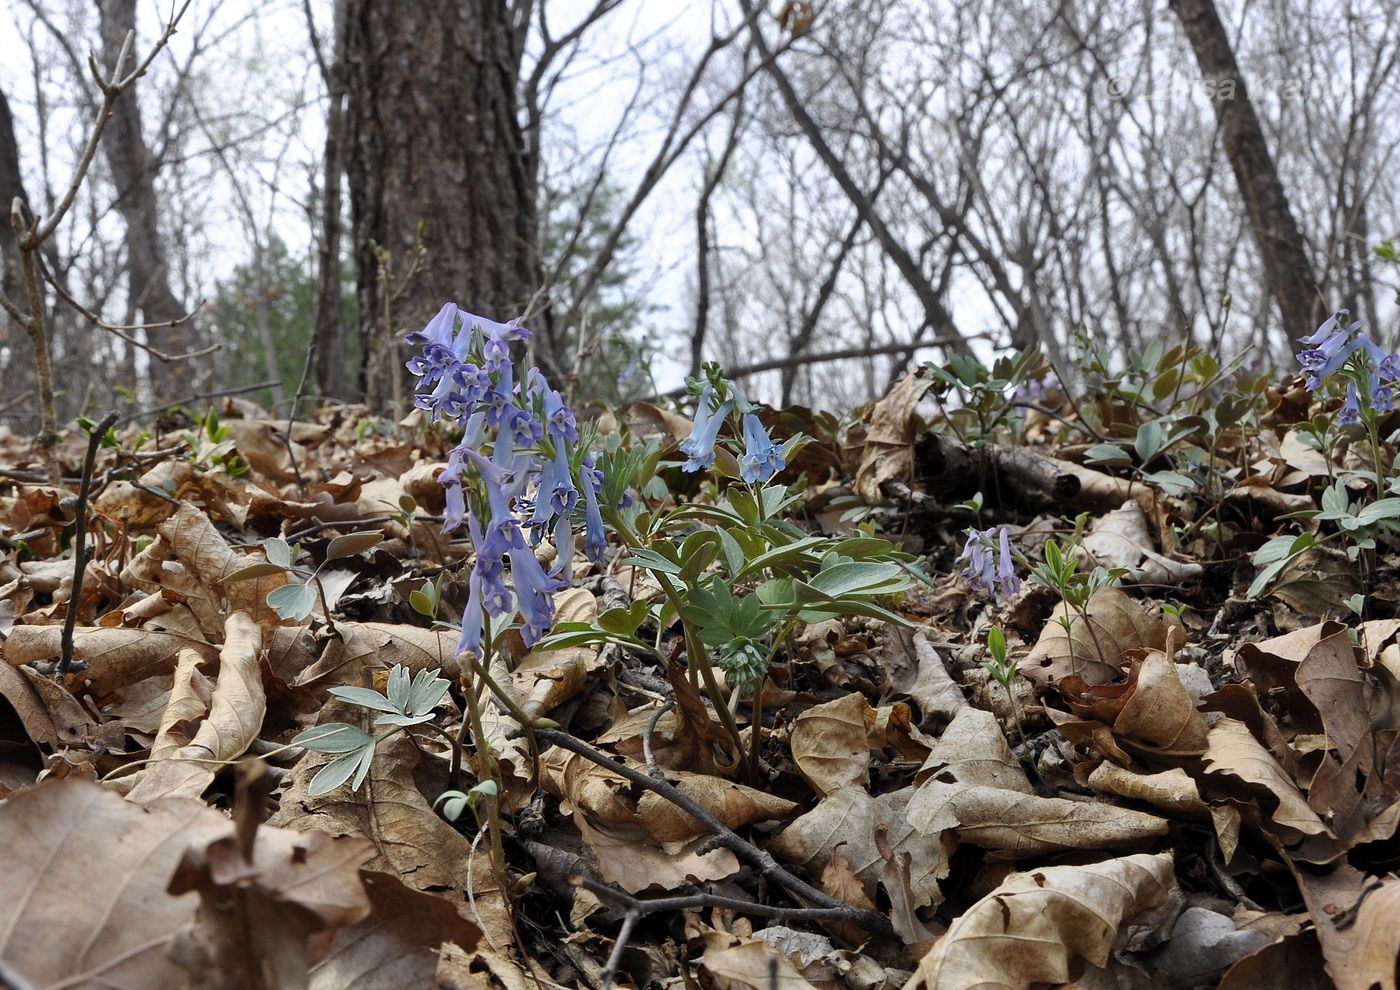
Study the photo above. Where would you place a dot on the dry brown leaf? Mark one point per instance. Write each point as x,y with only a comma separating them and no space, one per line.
115,658
1354,916
1152,710
831,745
973,752
83,889
918,672
1172,791
846,823
1042,926
630,858
736,805
397,945
734,963
1019,825
1093,650
889,439
543,681
236,710
1232,751
256,920
1121,539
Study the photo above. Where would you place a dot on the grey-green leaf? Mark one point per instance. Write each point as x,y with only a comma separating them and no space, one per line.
348,546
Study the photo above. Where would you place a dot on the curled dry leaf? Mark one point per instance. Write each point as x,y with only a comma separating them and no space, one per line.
115,658
543,681
1172,791
236,711
918,672
889,439
1093,649
1152,710
1043,926
1233,752
1122,539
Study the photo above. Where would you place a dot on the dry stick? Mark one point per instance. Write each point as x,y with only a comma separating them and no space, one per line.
70,619
292,416
725,836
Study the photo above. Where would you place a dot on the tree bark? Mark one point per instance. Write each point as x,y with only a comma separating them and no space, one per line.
19,367
1288,273
133,173
329,331
437,157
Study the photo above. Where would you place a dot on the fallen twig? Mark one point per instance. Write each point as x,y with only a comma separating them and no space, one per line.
726,837
70,618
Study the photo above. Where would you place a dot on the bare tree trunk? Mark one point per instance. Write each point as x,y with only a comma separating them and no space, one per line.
133,172
18,371
1288,273
329,330
437,157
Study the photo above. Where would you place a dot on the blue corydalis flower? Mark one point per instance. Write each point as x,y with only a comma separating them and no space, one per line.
1350,413
594,542
699,447
762,458
518,444
991,566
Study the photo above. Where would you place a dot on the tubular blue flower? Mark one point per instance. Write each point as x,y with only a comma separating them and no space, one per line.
762,458
472,617
563,547
1330,346
534,592
1350,412
991,566
595,543
1007,578
699,447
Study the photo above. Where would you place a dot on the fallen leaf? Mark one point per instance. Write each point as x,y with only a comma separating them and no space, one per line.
1043,926
1092,649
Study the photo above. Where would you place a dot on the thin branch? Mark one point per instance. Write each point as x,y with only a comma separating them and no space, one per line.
80,557
186,400
111,89
725,837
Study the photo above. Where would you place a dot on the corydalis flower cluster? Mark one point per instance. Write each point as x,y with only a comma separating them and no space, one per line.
991,567
1331,346
519,453
762,458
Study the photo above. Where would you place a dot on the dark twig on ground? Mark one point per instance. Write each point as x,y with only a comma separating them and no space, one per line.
726,837
80,556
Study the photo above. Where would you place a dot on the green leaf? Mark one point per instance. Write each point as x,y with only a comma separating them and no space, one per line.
733,553
426,692
624,621
333,737
790,554
263,568
860,577
652,561
365,698
1107,453
278,552
398,687
351,544
1149,441
1385,508
341,769
292,601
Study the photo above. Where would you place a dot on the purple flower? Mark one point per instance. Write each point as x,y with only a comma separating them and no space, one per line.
762,458
699,447
991,565
1006,569
594,541
470,640
1350,412
1329,347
